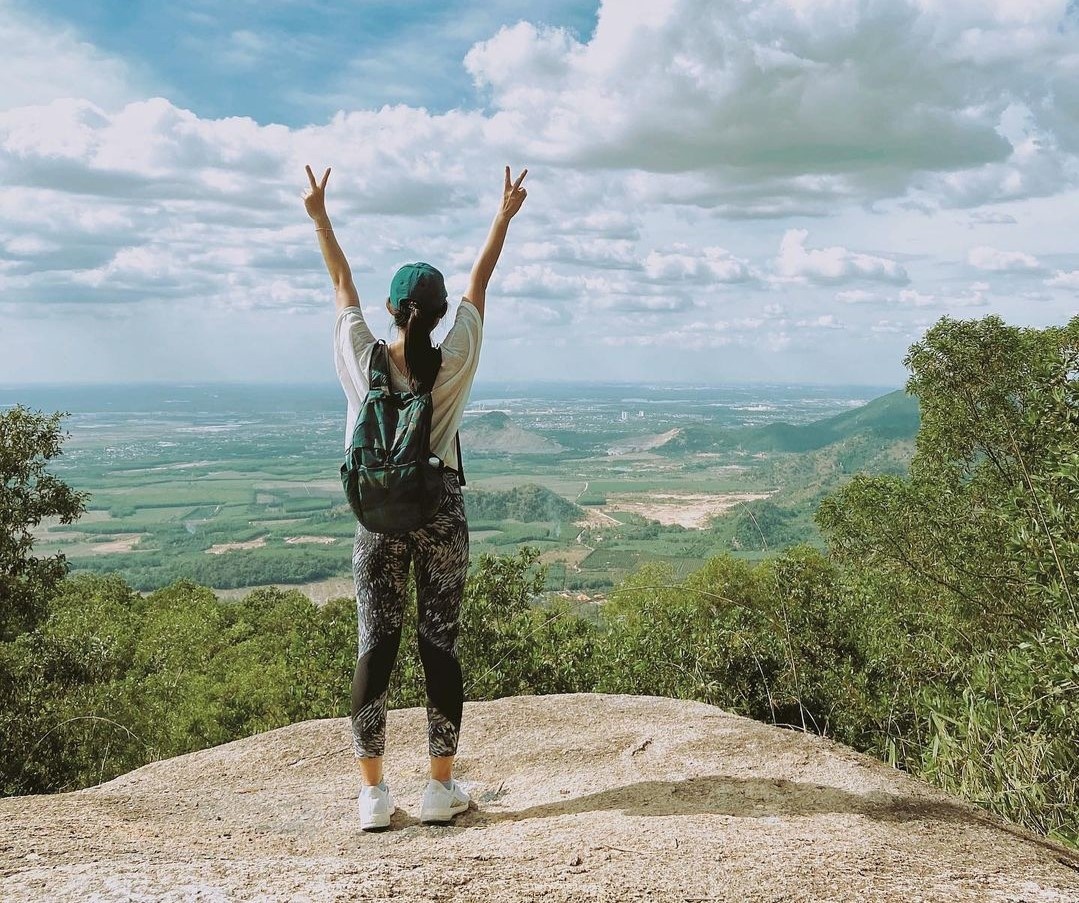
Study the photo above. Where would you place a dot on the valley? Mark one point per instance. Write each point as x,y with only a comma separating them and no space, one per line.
236,487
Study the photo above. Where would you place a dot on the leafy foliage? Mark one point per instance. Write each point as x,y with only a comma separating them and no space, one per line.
975,558
992,480
29,494
113,679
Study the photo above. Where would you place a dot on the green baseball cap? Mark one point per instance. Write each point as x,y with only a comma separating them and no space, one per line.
421,284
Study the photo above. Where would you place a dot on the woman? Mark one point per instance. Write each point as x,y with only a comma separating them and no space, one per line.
437,551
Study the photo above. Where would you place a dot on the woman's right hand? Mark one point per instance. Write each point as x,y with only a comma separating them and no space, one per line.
315,200
513,195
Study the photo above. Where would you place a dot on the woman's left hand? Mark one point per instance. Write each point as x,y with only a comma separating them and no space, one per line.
315,200
513,195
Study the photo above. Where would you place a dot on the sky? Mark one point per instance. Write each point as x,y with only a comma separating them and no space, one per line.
719,190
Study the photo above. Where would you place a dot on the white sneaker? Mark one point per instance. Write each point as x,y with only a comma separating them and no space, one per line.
441,804
376,807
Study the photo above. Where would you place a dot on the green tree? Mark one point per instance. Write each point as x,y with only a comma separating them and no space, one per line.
28,585
993,482
28,494
973,563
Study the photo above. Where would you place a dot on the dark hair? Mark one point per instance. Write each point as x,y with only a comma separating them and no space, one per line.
421,359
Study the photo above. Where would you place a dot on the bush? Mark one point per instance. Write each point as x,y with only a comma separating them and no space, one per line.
111,680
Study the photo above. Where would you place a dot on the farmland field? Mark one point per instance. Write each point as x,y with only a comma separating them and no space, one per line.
236,486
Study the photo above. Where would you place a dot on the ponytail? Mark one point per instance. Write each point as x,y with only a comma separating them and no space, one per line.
421,359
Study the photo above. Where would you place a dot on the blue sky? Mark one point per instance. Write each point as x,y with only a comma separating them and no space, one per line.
785,190
298,63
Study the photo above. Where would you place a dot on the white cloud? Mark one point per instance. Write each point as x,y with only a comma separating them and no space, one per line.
707,266
889,326
44,60
853,99
594,252
1062,279
703,335
757,196
915,298
138,267
777,341
906,297
643,142
29,246
624,300
832,265
1035,167
693,336
986,258
540,281
612,224
991,217
245,49
396,160
976,295
824,321
856,296
152,201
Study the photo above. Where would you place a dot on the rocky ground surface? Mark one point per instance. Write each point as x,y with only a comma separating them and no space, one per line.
583,797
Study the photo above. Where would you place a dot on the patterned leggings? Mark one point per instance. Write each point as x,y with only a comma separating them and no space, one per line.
380,562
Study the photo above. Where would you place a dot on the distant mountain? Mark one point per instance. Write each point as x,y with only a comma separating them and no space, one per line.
891,417
496,433
876,438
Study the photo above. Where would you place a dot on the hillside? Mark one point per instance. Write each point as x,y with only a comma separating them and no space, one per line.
891,417
808,462
495,433
582,797
528,503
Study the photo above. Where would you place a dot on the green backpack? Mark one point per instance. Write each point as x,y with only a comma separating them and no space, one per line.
393,482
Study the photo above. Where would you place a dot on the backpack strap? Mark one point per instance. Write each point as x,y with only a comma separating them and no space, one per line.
457,435
378,374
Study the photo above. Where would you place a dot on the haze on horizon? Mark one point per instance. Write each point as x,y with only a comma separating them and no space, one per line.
786,191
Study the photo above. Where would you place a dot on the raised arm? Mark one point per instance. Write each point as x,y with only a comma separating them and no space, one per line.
513,196
315,202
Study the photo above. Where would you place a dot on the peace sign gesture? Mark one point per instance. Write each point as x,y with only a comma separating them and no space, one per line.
315,199
513,195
